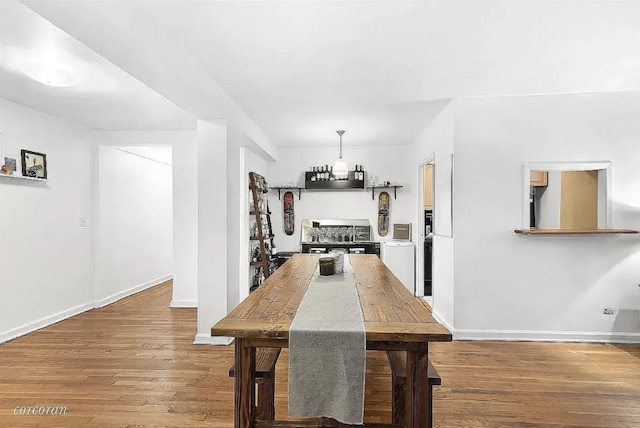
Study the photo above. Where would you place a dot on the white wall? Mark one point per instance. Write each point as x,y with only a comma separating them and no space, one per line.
385,162
518,287
548,210
134,247
46,258
213,236
185,221
436,142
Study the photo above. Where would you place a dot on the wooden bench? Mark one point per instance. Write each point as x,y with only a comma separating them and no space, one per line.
266,359
398,363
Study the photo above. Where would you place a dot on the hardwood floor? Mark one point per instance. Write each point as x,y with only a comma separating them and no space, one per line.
132,364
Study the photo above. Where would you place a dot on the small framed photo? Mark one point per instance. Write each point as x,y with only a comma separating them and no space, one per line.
34,164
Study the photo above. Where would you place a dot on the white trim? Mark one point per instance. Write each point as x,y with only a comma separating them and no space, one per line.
183,304
546,336
205,339
442,321
44,322
130,291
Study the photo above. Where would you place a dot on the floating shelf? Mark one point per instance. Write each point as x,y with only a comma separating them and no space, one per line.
575,231
350,183
22,177
395,188
286,189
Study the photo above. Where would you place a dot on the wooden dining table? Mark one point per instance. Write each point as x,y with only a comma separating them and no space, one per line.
394,320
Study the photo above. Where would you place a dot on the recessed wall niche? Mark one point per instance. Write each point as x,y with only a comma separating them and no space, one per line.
572,195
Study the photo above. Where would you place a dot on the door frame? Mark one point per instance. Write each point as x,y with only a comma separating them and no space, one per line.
429,160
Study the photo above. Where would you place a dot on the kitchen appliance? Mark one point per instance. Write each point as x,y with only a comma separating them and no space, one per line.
323,235
402,232
399,256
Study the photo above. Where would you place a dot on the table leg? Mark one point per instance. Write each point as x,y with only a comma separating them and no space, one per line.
244,383
418,391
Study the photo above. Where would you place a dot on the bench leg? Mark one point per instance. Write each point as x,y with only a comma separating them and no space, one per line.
244,385
398,393
398,404
266,406
430,406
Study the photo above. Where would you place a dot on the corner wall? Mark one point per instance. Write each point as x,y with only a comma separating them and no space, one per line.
536,287
134,244
46,256
436,142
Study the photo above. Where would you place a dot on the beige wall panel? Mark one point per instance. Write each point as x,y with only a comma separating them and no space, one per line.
579,200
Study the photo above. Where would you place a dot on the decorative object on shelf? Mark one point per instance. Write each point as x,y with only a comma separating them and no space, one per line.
11,163
288,219
383,213
34,164
340,169
6,170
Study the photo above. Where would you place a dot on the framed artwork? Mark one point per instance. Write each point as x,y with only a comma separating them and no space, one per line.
34,164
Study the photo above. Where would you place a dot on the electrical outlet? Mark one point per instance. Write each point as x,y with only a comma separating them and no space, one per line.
82,222
608,311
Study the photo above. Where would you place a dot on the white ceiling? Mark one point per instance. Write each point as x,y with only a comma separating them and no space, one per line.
101,95
302,69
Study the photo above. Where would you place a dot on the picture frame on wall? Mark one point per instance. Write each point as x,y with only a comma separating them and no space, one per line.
34,164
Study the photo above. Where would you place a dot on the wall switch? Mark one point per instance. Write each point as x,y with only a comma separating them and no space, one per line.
608,311
82,221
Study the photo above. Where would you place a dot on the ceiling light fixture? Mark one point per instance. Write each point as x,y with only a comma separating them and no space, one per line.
50,74
340,169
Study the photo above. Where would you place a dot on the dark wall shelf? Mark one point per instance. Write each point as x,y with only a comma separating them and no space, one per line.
350,183
287,189
394,187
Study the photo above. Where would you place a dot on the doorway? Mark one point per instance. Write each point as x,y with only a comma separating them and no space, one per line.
424,265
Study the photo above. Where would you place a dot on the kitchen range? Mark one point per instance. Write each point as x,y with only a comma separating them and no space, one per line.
323,235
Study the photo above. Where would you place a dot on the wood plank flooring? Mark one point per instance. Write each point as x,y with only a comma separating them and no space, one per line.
132,364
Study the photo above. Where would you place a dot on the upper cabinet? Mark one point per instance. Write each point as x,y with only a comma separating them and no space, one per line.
538,178
428,187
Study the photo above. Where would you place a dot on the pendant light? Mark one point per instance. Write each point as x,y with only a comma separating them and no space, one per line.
340,169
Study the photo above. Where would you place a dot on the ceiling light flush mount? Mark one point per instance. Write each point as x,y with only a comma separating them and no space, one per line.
340,169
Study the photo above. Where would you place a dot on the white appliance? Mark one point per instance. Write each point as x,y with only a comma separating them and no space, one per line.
399,256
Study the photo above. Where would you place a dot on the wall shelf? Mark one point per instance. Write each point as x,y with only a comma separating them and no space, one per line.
22,177
395,188
575,231
350,183
286,189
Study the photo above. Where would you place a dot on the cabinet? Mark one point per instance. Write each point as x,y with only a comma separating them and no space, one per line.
428,187
538,178
260,231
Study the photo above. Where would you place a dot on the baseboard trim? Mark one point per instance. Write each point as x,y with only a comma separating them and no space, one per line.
44,322
206,339
131,291
183,304
546,336
441,320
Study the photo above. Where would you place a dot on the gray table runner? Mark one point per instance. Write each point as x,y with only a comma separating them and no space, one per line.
327,351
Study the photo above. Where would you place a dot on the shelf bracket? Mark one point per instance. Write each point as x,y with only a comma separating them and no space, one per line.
288,189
